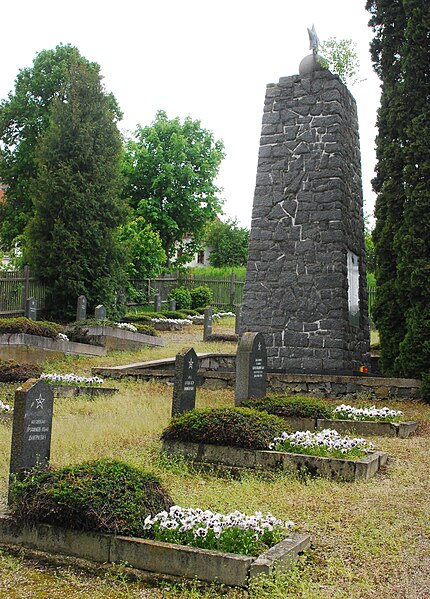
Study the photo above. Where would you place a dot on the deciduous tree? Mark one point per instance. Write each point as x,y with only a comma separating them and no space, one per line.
170,168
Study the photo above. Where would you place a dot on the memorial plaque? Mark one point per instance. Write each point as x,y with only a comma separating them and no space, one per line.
207,323
32,426
251,368
81,310
157,303
184,390
100,312
31,308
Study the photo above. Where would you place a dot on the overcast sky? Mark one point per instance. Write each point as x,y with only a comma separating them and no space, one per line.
207,60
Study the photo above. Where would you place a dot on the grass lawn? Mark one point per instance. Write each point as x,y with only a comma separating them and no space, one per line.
369,538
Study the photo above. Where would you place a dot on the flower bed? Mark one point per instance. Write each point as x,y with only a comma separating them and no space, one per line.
68,385
308,413
325,443
120,338
235,457
154,556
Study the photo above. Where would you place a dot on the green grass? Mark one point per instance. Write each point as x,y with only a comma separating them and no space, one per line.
369,538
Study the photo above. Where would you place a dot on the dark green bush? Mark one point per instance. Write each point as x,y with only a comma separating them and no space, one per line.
31,327
141,317
201,296
182,297
12,372
239,427
299,406
105,496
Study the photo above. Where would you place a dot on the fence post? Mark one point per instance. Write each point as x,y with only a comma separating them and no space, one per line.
26,287
232,288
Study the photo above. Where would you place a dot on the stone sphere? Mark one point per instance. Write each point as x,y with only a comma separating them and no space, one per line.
309,65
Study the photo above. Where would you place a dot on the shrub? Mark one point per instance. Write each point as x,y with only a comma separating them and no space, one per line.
137,318
201,296
182,298
299,406
105,496
12,372
31,327
239,427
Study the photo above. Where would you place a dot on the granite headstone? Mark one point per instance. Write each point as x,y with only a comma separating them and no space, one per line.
251,368
81,309
100,312
32,426
31,308
207,323
184,390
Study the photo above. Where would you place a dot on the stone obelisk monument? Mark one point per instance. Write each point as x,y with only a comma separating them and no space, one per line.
305,286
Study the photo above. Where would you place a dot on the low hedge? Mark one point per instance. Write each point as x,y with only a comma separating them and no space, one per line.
105,496
13,372
238,427
31,327
299,406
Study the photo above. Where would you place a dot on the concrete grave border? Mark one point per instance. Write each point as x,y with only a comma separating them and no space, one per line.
153,556
114,338
260,459
21,346
402,430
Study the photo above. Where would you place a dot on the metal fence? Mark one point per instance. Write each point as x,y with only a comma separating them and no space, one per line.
15,288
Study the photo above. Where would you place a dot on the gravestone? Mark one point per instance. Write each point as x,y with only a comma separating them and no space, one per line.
251,368
31,308
172,305
207,323
238,312
184,390
100,312
157,303
305,287
32,425
81,309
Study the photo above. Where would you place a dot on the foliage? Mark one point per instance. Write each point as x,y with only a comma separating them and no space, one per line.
31,327
212,272
182,297
24,116
340,57
370,249
201,296
300,406
144,248
401,54
142,318
104,495
72,243
169,171
231,533
238,427
13,372
229,244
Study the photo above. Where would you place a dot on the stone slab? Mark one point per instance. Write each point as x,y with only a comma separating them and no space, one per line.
114,338
236,457
153,556
33,348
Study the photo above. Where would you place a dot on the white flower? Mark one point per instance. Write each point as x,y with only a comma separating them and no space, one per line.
4,407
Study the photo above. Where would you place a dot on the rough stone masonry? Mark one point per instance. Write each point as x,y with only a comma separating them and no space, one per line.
305,286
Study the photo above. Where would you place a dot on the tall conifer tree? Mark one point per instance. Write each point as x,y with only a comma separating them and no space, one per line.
400,51
72,244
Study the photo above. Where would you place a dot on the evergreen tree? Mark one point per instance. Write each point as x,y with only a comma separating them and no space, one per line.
400,51
72,238
24,115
